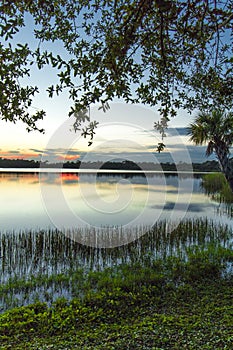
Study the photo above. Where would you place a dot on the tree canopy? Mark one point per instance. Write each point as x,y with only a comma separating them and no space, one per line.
171,54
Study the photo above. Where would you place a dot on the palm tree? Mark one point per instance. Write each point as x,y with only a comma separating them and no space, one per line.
216,130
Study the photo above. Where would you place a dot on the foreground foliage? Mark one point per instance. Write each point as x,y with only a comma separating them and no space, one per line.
168,53
166,304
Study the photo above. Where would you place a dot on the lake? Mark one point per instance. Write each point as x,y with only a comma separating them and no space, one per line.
70,199
102,210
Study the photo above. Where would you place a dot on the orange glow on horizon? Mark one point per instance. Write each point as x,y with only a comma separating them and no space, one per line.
55,156
68,157
12,156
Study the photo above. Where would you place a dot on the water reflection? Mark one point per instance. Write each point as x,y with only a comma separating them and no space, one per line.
193,207
82,199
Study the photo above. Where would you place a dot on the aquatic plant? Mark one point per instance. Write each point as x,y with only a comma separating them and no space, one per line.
45,265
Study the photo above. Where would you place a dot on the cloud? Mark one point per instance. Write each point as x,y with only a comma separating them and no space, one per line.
181,151
176,131
68,157
36,150
56,150
73,152
18,154
58,154
14,152
181,131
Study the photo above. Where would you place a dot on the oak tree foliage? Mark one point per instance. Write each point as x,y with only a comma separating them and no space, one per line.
171,54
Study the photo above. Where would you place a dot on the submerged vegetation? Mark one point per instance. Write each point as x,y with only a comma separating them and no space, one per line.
45,265
165,290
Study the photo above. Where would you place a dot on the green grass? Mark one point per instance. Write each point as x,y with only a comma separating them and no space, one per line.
168,304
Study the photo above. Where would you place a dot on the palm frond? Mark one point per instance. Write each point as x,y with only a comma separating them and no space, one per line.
197,134
214,129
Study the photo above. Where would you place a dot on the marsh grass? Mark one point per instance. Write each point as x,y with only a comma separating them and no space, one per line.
45,265
217,187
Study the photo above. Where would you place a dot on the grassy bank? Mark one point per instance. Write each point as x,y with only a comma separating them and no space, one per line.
168,304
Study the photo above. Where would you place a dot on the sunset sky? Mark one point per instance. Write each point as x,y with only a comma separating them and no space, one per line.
125,131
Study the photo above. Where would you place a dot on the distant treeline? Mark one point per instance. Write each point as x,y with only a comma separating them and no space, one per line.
119,165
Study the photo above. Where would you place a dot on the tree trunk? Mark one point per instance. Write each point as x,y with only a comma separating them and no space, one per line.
231,183
225,164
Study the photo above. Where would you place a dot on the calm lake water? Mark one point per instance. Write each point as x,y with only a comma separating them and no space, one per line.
31,200
109,204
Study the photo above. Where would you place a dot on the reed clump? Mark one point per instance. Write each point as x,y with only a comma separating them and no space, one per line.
45,265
